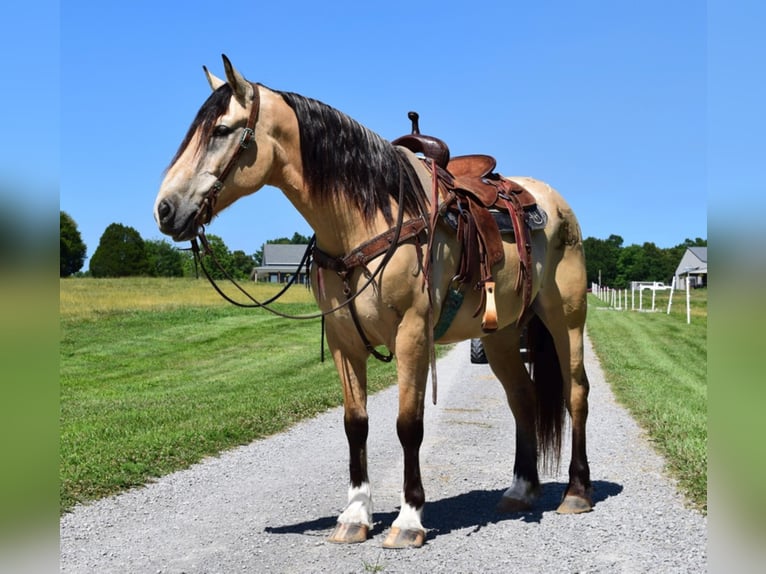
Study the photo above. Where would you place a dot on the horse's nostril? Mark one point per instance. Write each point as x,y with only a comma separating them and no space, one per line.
165,211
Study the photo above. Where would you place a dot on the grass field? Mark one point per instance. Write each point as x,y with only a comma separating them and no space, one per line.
156,374
657,366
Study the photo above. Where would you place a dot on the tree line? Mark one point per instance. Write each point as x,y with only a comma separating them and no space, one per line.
122,252
610,263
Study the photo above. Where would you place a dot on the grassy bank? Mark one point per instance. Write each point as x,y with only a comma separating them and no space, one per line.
657,365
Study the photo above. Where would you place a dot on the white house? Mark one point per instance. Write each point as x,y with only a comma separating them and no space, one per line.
279,263
692,268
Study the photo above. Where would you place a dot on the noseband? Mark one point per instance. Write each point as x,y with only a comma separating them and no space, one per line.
205,211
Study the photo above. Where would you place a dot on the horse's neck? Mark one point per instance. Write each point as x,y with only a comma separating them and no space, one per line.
340,228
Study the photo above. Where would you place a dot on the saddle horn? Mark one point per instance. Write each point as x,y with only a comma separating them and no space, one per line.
414,117
431,147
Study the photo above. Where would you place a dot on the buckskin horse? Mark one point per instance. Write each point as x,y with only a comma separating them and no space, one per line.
411,249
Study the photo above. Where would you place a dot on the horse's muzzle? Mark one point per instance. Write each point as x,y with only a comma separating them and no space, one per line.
180,224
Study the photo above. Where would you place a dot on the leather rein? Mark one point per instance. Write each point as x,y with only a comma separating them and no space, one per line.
384,244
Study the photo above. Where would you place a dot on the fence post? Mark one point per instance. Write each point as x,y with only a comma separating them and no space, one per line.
672,289
688,307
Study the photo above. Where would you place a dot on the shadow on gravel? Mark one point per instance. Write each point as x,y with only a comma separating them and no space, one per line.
474,509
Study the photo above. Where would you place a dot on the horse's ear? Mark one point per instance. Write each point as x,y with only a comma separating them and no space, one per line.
214,82
243,90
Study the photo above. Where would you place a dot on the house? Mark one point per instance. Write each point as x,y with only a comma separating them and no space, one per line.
279,263
692,268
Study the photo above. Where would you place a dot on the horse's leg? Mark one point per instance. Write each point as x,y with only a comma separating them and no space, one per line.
502,349
577,497
563,312
355,522
412,370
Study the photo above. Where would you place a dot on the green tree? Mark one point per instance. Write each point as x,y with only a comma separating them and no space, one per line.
72,250
242,264
601,257
121,252
656,263
632,265
296,239
164,259
219,263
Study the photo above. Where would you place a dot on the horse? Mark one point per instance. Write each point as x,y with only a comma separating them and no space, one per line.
355,188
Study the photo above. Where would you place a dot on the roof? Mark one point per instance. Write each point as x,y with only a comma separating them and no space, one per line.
693,262
699,252
279,255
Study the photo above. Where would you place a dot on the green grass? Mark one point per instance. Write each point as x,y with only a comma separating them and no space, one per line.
657,365
156,375
147,392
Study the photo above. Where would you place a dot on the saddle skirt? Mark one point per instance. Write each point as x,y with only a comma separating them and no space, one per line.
482,207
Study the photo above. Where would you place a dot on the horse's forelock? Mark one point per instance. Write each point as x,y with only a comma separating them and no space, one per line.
213,108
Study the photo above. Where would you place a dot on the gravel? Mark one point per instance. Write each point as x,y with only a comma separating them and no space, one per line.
268,506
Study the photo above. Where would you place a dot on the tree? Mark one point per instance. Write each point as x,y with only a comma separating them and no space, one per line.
242,264
72,250
164,259
121,252
601,259
631,266
220,263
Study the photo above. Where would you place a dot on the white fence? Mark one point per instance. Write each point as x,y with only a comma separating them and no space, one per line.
618,298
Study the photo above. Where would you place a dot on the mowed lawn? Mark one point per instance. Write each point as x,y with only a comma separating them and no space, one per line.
657,366
157,374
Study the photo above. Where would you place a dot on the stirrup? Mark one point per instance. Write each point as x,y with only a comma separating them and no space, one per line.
489,321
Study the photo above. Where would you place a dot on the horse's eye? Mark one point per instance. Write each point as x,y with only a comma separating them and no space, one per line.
221,130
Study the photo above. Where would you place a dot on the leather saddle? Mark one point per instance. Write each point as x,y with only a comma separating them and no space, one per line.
472,199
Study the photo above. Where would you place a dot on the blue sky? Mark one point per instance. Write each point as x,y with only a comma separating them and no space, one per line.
604,100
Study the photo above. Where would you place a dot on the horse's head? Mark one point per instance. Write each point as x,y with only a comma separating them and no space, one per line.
226,154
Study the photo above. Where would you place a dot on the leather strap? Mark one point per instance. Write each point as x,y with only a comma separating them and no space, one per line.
205,211
369,250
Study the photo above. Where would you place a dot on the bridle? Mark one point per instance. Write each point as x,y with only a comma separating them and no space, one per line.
205,211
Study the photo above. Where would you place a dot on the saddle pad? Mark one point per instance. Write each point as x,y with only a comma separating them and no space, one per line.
535,218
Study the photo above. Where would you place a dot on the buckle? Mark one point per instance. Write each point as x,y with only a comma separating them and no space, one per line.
247,138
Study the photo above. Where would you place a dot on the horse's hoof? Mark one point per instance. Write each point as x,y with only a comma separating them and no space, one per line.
574,505
348,533
513,505
399,538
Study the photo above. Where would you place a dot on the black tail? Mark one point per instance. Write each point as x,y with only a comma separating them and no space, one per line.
549,386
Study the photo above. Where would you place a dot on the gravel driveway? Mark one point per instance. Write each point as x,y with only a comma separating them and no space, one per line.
268,506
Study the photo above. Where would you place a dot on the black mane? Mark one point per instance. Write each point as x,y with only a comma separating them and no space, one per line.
342,157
